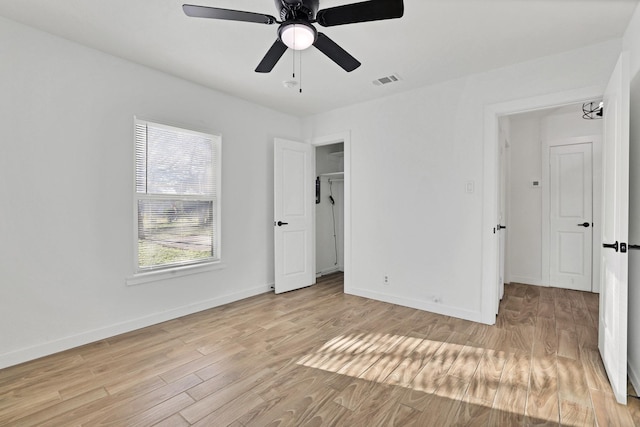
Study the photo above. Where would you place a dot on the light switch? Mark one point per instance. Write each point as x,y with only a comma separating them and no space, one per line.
470,187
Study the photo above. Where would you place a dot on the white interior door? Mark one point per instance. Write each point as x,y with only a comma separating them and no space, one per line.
570,219
612,331
293,220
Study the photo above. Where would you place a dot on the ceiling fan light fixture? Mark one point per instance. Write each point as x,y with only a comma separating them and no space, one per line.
298,35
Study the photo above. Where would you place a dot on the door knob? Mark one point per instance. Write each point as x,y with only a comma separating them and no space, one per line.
501,227
584,224
611,245
280,223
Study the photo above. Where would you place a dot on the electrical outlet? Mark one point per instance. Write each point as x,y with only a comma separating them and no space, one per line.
386,279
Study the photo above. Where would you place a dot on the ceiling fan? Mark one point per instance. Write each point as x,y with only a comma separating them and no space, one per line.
296,30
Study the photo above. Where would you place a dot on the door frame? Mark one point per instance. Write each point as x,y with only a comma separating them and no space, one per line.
596,203
345,138
504,166
491,177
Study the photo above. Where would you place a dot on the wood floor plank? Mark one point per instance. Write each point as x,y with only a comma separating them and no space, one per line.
354,394
117,403
389,361
574,414
173,421
205,405
161,411
466,363
355,366
546,309
587,336
572,382
594,370
328,414
402,416
408,368
580,310
298,407
546,339
434,371
138,404
608,412
564,314
486,379
633,406
473,414
14,405
37,418
542,401
568,344
375,407
317,357
231,411
442,408
511,397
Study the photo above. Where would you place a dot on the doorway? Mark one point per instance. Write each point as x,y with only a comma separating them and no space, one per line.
333,161
329,219
553,178
295,216
614,284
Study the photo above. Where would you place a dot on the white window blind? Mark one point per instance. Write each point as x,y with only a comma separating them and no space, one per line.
176,195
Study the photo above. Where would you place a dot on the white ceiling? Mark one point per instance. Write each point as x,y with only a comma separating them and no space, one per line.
436,40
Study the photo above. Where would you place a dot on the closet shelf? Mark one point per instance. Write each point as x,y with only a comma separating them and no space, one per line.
334,175
337,154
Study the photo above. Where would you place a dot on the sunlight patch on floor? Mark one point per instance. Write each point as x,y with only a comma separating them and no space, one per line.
443,369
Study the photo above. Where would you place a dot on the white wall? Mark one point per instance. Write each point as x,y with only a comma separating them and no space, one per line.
525,202
325,244
567,123
412,155
631,43
66,179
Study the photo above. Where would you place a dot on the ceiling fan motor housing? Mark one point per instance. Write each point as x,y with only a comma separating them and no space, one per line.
297,9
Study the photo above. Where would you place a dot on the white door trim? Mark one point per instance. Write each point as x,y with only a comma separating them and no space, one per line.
344,137
491,176
596,146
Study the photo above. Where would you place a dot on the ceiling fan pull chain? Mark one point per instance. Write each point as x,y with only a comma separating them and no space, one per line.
300,68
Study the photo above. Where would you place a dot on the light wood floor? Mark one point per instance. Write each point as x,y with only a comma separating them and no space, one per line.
318,357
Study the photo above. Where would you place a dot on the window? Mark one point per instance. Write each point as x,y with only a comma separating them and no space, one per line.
177,182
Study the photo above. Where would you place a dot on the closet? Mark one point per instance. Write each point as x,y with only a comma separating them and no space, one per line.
329,208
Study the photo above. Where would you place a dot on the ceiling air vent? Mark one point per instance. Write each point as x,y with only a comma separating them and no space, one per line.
386,80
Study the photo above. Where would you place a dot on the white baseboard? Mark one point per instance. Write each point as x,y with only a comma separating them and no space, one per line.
66,343
446,310
329,270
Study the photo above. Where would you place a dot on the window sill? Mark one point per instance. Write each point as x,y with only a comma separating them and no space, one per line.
155,276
